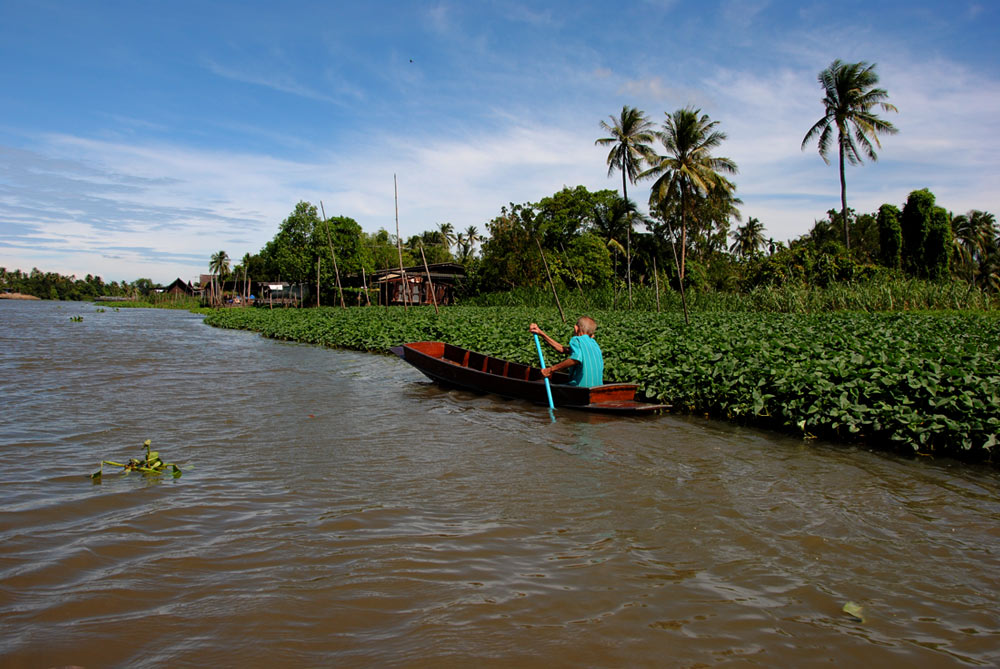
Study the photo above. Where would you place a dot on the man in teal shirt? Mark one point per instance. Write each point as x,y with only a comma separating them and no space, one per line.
585,362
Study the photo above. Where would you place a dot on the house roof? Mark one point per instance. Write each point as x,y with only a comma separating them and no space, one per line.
444,270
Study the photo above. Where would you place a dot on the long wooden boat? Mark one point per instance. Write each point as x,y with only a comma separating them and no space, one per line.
460,368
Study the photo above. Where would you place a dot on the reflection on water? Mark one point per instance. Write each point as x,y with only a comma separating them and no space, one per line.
339,509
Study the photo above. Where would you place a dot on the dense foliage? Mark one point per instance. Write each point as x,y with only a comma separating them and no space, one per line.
926,383
52,286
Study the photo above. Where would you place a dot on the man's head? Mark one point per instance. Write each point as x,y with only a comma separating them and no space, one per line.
585,325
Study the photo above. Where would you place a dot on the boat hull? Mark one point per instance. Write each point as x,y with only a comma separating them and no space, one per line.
457,367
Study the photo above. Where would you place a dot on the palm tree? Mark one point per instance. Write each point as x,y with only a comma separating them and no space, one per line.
850,97
631,136
748,239
218,265
472,237
464,248
974,239
446,233
689,172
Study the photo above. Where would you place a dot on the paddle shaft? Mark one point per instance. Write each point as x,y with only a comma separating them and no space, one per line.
541,359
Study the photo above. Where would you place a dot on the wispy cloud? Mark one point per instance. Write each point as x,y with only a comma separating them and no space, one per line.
281,82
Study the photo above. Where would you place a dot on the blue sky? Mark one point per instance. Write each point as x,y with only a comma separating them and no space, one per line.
138,138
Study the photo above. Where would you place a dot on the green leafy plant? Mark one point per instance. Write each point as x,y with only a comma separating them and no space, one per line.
152,465
913,382
76,319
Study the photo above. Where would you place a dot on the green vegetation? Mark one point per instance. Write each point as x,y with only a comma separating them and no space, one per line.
850,96
912,382
826,335
52,286
151,465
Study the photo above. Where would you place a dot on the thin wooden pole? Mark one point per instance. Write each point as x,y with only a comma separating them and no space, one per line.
628,261
680,277
551,283
364,283
336,271
570,266
656,279
429,282
317,280
399,246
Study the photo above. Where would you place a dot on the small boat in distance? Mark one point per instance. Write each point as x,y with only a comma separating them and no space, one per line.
461,368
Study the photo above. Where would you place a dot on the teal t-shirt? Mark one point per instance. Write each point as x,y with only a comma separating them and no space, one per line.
590,370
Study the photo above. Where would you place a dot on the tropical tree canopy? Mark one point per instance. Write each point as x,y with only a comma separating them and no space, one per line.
631,137
688,175
748,239
850,96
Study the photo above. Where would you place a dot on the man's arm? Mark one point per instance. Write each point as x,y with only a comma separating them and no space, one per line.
559,366
534,329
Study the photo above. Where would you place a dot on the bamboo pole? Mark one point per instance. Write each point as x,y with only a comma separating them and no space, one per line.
570,266
364,283
336,271
317,280
628,259
551,283
399,246
429,282
680,278
656,279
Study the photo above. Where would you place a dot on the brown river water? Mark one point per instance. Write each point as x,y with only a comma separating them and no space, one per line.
337,509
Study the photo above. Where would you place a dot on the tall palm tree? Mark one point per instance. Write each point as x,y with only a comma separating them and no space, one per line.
472,237
748,239
850,96
218,265
688,171
974,234
631,137
446,233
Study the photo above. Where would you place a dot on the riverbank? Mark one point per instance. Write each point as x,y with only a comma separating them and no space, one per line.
925,383
17,296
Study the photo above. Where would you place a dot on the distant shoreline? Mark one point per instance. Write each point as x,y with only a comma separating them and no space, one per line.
17,296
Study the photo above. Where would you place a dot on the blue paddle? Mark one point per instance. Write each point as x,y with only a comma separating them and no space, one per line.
541,359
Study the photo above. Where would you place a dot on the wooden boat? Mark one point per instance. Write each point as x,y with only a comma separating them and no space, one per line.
460,368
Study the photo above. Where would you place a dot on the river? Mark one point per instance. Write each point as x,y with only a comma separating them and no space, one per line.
337,509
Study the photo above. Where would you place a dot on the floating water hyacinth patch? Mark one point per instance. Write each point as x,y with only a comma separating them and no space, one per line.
152,465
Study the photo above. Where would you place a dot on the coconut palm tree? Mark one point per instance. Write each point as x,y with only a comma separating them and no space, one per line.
748,239
974,234
850,97
631,137
219,265
688,172
472,237
446,233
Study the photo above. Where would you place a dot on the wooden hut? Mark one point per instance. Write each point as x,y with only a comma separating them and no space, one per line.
179,288
281,293
412,286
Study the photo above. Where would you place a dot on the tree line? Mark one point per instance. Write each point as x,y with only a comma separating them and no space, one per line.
53,286
693,237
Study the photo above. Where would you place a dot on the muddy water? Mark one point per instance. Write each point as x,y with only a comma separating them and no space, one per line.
337,509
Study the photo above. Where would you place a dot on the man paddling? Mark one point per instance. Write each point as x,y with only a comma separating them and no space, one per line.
585,363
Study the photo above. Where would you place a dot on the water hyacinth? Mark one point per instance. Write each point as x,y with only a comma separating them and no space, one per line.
923,382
